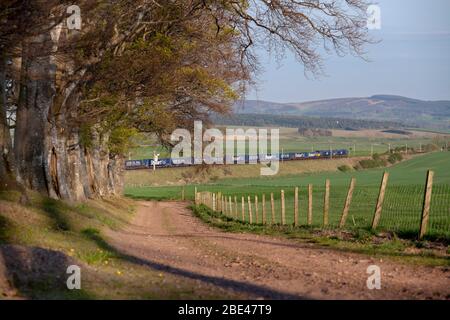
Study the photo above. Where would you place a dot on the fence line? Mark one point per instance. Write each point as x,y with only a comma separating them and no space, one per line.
396,208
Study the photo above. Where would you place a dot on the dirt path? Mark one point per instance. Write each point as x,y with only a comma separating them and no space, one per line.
167,237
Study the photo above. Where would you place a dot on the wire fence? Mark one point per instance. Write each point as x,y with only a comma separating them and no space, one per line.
403,207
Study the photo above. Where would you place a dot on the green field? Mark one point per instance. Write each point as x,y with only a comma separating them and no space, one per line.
402,207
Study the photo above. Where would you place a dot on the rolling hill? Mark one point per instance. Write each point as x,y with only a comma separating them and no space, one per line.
410,112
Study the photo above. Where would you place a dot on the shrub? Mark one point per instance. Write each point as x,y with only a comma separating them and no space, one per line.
372,163
395,157
344,168
430,147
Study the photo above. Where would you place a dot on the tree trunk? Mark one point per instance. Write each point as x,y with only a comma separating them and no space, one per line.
49,156
7,179
37,92
115,175
99,157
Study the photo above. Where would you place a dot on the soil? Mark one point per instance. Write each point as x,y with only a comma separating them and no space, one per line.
165,236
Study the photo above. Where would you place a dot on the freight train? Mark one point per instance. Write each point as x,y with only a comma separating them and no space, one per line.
183,162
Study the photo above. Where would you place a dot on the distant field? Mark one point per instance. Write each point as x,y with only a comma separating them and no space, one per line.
402,206
360,143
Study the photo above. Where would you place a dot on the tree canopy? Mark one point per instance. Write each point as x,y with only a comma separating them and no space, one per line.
140,65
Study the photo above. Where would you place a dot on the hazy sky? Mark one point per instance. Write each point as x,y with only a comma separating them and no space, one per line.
412,59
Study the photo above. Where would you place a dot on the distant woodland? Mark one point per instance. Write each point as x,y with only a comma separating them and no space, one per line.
292,121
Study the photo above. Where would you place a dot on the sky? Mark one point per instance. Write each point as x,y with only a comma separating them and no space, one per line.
412,59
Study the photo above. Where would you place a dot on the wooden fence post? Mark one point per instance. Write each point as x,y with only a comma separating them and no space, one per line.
243,210
326,202
379,207
256,210
296,207
195,195
264,209
225,205
230,204
210,199
272,208
310,204
219,201
283,209
250,217
214,202
426,204
235,207
348,201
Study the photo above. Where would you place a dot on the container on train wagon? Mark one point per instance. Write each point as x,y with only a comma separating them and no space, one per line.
342,152
213,160
301,155
146,162
181,161
314,155
325,153
251,158
286,156
158,163
165,162
130,164
239,159
228,159
266,157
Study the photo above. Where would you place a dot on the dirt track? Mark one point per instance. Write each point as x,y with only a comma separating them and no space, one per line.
166,236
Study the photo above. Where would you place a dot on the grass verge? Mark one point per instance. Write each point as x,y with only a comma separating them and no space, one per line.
361,241
38,241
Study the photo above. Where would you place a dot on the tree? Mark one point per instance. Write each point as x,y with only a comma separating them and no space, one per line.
146,66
